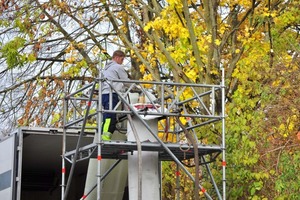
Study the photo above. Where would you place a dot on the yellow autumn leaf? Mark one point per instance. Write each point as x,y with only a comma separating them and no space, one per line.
150,49
214,71
80,45
147,27
192,74
142,69
31,57
276,83
217,42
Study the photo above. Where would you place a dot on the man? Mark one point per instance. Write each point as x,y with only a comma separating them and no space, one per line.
113,70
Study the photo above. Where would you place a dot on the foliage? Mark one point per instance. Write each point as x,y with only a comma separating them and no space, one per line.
287,184
47,46
10,52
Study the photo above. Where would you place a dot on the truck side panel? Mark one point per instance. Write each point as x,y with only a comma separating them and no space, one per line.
7,167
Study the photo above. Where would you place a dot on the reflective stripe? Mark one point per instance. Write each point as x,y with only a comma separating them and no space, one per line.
5,180
106,124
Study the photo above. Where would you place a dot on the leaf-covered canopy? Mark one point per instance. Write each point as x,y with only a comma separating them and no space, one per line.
47,45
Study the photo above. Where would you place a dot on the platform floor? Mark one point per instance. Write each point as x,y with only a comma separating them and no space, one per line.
120,149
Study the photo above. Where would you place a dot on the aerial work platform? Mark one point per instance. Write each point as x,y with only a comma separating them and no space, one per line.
180,109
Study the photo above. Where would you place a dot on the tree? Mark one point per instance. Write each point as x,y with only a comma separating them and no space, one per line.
46,46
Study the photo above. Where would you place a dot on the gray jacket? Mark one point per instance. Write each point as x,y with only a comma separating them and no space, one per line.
111,71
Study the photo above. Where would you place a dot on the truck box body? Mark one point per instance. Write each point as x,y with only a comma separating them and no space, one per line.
31,164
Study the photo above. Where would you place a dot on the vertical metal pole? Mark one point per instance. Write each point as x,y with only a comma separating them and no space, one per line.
223,134
63,164
177,182
176,128
100,118
213,101
162,98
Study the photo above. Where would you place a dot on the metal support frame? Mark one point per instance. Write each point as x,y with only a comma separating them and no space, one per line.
177,104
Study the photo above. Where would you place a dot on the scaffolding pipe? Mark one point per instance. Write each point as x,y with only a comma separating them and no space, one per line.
63,164
100,121
163,83
177,171
79,120
78,144
79,90
223,134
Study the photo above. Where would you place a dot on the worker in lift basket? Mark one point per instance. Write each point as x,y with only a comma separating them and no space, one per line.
113,70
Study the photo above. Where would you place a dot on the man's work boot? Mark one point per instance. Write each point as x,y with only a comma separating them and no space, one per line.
106,136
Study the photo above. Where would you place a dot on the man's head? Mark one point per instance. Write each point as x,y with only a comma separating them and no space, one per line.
118,56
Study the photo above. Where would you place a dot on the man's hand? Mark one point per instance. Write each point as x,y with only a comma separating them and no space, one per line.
136,89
